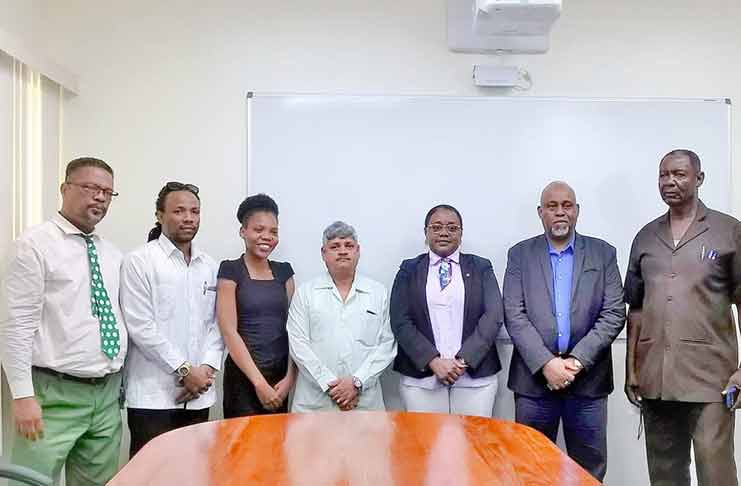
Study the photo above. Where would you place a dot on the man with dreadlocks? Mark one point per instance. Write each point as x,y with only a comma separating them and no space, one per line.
168,293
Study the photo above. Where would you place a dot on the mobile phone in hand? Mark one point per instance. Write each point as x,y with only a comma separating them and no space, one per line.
730,396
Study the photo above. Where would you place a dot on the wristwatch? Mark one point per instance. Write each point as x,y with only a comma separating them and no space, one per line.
184,369
357,383
462,361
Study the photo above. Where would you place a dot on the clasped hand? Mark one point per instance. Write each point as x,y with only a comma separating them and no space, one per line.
447,371
343,392
560,372
198,381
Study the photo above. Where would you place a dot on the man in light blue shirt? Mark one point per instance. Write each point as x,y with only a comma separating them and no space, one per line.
563,304
339,332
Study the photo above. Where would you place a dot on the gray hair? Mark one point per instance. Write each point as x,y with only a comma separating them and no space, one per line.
339,229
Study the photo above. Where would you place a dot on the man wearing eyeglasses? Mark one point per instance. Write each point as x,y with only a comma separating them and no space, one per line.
63,337
168,297
563,304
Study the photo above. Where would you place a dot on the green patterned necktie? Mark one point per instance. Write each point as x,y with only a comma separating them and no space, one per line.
101,304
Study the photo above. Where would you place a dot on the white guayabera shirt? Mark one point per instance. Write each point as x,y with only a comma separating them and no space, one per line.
330,339
169,308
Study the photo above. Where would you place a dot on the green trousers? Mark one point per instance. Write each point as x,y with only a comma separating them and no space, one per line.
82,430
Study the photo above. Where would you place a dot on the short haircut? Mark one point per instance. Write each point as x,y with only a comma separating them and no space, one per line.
81,162
443,206
694,159
258,203
339,229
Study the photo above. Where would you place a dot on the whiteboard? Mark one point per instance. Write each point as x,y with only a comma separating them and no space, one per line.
380,162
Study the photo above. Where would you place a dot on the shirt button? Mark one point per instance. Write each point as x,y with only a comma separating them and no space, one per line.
559,314
674,275
669,298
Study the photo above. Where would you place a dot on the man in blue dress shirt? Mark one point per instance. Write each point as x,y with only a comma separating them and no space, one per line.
563,304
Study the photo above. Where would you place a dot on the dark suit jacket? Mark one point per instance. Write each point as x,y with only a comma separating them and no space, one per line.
597,315
410,317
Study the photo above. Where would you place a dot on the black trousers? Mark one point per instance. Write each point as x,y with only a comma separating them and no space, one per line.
146,424
671,427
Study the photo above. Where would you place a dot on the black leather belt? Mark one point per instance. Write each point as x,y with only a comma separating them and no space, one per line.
96,380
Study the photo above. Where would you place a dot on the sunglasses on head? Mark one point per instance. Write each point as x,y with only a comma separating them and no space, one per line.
179,186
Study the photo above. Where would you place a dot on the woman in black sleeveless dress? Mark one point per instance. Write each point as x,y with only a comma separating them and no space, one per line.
253,295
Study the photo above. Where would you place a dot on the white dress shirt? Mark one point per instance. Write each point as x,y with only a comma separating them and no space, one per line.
446,308
329,338
169,307
47,320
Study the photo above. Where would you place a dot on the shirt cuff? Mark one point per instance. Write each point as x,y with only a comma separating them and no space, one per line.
324,381
213,359
174,362
22,389
580,359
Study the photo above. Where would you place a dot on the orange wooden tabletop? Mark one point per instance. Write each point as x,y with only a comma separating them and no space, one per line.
353,449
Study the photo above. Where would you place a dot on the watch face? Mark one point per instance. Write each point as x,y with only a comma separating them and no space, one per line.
183,371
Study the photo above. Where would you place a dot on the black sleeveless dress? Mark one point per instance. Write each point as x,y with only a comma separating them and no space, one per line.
262,312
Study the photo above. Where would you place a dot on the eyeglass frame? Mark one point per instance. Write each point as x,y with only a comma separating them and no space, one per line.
451,228
94,189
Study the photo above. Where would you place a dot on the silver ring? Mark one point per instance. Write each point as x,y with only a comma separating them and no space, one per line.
566,383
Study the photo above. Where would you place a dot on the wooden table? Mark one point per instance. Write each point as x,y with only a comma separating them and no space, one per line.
353,449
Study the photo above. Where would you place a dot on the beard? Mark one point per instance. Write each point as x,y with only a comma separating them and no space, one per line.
560,230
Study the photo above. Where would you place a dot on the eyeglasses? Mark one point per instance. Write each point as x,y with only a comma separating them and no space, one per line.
179,186
438,228
94,189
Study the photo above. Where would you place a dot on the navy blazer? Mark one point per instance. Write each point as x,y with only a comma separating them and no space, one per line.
597,315
482,319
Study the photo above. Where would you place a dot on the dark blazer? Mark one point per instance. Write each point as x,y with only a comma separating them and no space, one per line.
597,315
482,319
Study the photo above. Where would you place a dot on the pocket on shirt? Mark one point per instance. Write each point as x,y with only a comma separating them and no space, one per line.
370,326
208,306
643,349
696,339
165,302
317,328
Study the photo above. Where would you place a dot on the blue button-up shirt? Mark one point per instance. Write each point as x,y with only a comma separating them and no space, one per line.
562,266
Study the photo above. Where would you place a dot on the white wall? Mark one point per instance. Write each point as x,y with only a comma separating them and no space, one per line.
21,19
163,83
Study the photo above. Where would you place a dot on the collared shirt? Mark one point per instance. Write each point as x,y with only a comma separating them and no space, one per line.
562,267
47,320
169,307
686,348
329,338
446,309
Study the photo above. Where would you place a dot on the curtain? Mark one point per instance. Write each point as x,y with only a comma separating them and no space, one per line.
30,168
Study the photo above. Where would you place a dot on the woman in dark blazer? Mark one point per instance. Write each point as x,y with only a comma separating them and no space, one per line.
446,311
